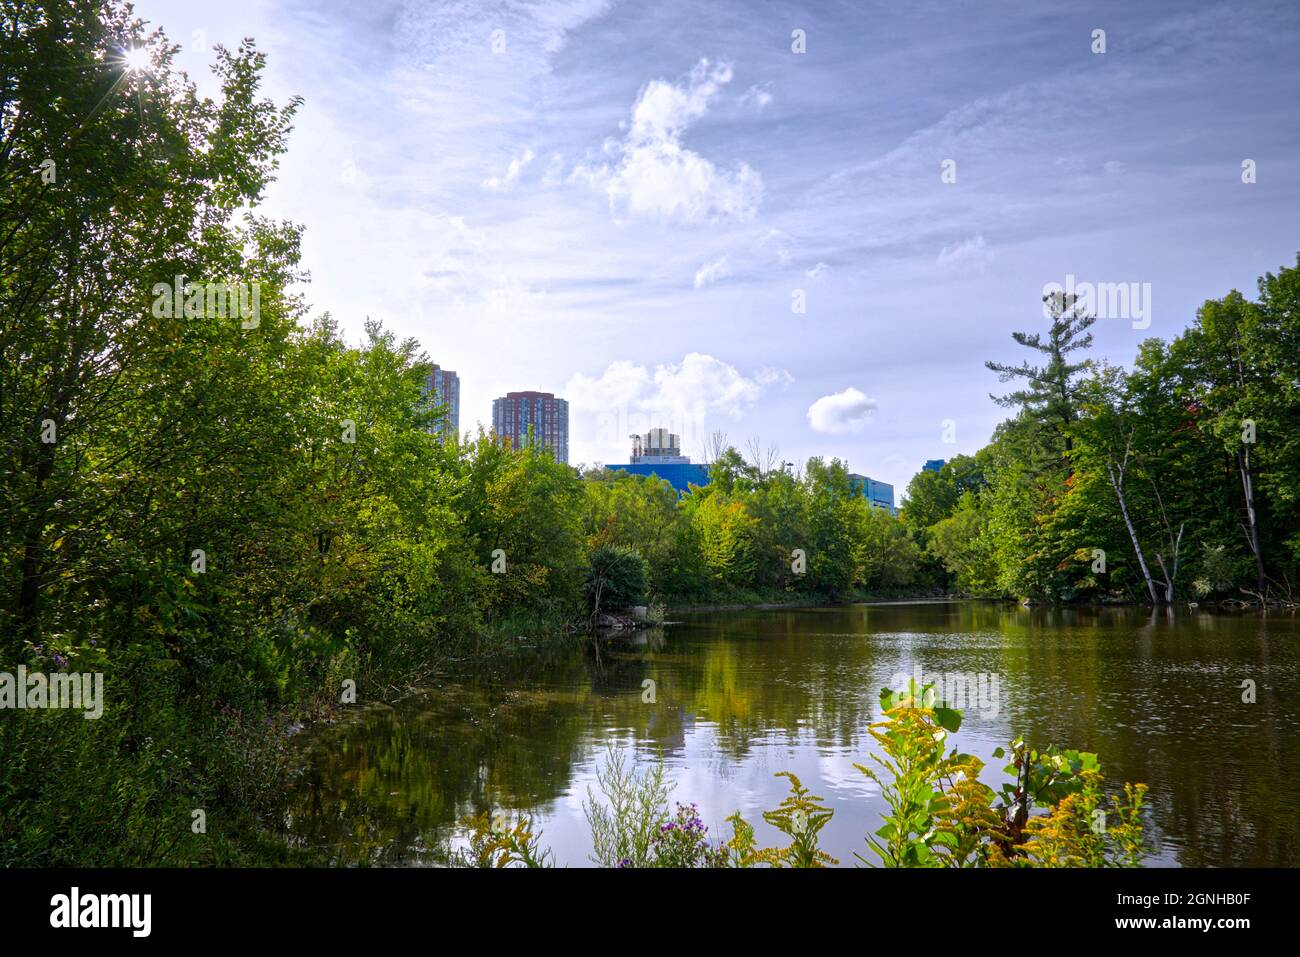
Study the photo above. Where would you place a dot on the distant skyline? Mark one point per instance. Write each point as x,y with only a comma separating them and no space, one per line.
619,202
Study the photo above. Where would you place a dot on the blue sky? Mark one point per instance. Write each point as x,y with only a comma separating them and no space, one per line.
624,202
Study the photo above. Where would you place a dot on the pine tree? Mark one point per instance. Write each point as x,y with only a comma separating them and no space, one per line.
1051,395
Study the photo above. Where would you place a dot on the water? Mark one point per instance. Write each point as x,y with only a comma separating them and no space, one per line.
742,695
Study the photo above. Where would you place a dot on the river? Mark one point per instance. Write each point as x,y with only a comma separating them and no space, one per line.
740,695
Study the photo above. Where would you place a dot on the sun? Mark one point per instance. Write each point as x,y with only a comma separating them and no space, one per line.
136,59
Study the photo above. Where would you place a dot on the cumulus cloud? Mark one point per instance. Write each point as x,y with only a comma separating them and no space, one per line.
817,272
686,397
711,272
679,391
847,411
655,176
622,383
719,386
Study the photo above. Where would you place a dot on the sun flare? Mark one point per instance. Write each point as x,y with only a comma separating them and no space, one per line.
136,59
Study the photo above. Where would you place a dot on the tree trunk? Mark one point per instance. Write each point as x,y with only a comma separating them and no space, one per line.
1252,527
1117,483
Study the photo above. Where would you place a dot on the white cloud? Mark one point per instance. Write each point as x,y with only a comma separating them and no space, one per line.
657,177
711,272
759,95
622,383
459,259
716,385
968,254
687,397
779,241
554,174
510,177
817,272
847,411
698,382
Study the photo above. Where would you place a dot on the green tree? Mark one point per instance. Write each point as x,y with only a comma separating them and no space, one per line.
616,579
1050,394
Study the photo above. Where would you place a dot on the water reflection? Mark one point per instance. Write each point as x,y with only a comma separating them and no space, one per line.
738,696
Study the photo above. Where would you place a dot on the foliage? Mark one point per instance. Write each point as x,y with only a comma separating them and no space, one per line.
1075,833
940,813
683,842
800,817
1218,570
625,830
1180,470
930,821
497,844
1050,393
615,579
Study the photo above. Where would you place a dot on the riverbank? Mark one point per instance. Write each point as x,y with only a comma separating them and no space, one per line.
815,601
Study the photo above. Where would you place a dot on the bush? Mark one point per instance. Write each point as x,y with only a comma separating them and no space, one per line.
616,578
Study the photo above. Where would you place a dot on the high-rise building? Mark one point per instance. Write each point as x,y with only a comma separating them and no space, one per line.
879,494
548,418
658,445
933,465
659,453
444,385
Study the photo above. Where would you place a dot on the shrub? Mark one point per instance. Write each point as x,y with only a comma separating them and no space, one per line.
623,833
616,578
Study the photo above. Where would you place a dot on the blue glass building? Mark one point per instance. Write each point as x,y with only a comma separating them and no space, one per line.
659,452
879,494
680,475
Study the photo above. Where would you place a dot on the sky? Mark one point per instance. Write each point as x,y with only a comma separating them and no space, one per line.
805,225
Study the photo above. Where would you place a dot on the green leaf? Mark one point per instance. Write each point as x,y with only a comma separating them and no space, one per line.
948,718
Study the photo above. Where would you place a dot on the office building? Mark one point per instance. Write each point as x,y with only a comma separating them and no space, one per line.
517,414
933,465
659,453
879,494
444,386
658,446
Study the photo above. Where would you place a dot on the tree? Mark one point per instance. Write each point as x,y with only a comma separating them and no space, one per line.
932,496
615,578
961,543
1050,395
1230,383
147,182
885,555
